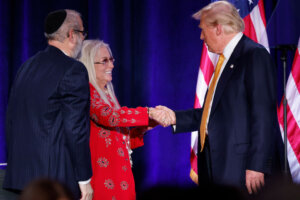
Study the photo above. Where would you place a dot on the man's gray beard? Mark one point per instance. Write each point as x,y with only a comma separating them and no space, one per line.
77,50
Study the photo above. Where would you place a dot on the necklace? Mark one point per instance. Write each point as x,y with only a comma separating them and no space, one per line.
105,90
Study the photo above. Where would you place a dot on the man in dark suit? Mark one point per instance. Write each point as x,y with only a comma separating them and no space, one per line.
47,124
238,125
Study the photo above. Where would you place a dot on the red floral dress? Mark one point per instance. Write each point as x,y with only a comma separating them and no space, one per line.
110,144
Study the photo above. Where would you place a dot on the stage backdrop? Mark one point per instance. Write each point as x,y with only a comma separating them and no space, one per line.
157,49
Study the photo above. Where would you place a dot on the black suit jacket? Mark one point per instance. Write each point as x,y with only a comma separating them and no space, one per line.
47,123
243,126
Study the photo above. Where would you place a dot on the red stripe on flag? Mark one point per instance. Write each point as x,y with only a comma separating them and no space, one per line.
194,161
293,134
296,70
262,11
197,103
293,130
206,65
249,28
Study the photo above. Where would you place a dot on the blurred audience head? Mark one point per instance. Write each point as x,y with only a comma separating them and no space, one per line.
280,189
45,189
204,192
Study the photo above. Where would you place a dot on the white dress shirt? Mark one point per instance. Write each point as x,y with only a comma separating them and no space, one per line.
227,53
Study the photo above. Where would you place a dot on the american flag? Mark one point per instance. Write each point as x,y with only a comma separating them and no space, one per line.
252,11
293,117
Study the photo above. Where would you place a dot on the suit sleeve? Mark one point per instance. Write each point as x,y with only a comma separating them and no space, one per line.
188,120
9,118
261,94
9,110
74,88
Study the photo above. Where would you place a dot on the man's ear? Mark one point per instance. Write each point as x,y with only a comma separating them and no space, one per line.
71,36
219,29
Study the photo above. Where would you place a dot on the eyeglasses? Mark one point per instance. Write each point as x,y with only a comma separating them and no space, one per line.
105,61
84,33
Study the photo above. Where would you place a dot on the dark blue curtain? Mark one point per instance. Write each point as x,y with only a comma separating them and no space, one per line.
157,49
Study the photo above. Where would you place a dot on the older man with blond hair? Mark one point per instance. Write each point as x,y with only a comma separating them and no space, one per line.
238,122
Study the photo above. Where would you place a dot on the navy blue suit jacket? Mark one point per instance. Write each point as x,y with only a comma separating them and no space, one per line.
243,127
47,123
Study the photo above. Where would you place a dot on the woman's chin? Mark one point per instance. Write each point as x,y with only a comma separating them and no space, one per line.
109,78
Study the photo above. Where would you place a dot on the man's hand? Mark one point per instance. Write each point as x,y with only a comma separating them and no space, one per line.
86,191
169,115
163,115
254,181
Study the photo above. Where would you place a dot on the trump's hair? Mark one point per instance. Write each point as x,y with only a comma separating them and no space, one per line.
223,13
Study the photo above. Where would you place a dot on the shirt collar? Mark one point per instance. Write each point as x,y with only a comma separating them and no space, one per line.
65,53
232,44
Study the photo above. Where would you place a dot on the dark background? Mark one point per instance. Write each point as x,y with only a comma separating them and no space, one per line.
157,48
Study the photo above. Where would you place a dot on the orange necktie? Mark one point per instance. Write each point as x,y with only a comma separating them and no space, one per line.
208,100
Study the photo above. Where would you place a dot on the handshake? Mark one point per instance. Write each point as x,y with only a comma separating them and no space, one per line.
162,115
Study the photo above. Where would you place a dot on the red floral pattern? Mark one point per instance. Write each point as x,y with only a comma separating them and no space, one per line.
110,143
103,162
120,152
109,184
124,185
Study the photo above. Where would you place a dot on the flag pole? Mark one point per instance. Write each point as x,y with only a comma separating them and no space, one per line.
283,58
284,48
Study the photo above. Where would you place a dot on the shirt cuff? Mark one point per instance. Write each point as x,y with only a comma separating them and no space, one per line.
174,128
84,182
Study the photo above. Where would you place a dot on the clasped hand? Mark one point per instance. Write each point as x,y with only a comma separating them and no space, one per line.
163,115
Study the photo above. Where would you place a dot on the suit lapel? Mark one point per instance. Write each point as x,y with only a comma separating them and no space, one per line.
226,74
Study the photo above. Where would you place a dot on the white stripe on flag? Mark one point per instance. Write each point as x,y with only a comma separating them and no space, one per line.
201,88
260,29
194,141
293,98
293,161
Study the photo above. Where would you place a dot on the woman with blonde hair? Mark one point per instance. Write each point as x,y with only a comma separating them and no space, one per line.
111,140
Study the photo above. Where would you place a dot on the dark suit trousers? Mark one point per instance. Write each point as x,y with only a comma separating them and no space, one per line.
204,164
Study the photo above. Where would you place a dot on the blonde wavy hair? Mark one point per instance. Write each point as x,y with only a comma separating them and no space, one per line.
224,13
88,52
